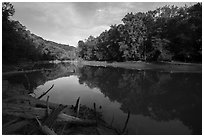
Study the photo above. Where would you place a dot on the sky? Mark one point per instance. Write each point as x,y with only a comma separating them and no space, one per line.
69,22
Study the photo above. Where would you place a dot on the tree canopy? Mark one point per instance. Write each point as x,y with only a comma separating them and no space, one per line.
165,34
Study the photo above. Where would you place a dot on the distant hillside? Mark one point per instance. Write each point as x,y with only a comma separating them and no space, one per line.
19,44
52,49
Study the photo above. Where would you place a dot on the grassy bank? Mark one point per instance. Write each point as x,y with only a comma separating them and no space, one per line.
138,65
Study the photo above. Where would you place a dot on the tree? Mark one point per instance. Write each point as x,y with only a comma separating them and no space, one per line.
7,10
81,49
134,34
167,33
90,44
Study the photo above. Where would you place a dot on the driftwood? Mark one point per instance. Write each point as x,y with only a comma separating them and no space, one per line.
31,100
102,130
9,128
126,122
74,120
47,104
30,112
45,92
45,127
116,131
77,103
10,122
95,112
23,111
30,108
46,130
62,131
53,116
77,107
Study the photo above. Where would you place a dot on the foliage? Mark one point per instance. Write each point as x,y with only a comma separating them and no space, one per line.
7,10
167,33
18,44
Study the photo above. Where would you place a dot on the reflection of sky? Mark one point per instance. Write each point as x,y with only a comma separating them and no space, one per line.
66,90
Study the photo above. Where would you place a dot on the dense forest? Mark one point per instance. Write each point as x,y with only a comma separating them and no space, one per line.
19,44
169,33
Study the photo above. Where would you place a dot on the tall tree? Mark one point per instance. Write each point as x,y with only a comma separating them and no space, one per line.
7,10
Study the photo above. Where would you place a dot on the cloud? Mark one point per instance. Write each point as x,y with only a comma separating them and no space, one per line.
69,22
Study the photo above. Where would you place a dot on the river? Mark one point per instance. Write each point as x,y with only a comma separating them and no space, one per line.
159,102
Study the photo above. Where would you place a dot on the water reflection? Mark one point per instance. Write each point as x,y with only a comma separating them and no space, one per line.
160,96
159,102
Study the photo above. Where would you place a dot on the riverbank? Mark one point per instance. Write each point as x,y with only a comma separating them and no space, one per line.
172,67
138,65
25,114
26,66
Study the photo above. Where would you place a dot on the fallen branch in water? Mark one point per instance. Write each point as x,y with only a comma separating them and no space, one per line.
53,116
112,120
32,101
46,130
77,107
95,112
31,109
112,128
62,131
47,104
45,92
74,120
126,122
30,112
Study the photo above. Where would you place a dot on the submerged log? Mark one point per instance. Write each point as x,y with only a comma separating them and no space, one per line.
31,100
126,122
53,116
74,120
45,129
45,92
95,112
101,130
77,104
47,109
30,112
112,120
77,107
23,111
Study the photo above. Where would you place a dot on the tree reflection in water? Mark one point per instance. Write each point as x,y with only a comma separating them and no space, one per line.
160,95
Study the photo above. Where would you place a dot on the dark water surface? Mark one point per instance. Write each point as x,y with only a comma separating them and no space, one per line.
159,102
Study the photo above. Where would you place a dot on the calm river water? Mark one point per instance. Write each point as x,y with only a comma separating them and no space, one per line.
159,102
